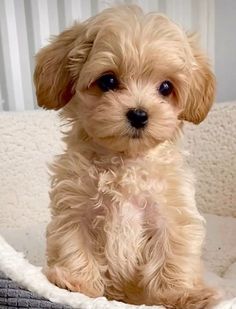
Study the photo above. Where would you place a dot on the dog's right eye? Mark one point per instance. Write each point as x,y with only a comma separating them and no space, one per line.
166,88
107,82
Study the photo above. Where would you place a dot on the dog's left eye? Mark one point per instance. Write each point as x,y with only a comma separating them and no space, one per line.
107,82
166,88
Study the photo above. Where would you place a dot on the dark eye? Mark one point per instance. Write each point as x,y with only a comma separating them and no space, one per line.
165,88
107,82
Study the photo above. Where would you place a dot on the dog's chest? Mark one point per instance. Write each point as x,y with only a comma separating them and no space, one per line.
131,194
131,185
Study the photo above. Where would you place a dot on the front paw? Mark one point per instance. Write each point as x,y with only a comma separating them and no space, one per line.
204,298
62,278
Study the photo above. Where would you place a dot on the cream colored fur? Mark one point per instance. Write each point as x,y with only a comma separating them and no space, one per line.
124,220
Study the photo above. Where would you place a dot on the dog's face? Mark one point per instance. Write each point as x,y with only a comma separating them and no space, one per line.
128,78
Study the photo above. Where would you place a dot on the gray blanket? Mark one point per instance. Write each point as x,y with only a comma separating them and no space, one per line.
14,296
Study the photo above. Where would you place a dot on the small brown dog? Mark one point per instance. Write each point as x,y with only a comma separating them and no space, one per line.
124,220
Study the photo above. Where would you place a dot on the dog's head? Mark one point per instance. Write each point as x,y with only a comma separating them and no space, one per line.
130,78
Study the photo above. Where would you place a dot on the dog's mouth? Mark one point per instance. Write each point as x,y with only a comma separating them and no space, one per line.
136,134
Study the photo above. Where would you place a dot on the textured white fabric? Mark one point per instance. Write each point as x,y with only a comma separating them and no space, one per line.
212,148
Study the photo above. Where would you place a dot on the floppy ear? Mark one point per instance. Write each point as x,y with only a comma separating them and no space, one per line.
202,89
52,77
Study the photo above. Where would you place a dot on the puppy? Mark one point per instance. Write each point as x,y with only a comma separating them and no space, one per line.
124,220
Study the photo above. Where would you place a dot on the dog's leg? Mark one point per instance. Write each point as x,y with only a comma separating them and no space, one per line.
71,262
202,297
171,268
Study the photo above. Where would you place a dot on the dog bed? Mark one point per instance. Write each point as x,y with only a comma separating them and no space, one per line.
28,287
30,139
14,296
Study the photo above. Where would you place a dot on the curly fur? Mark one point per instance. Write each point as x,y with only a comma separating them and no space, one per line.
124,220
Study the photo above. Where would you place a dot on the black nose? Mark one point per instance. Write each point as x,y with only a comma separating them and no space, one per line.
138,118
